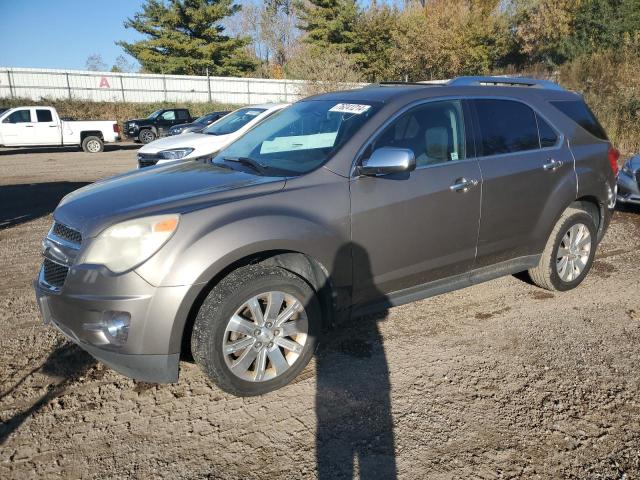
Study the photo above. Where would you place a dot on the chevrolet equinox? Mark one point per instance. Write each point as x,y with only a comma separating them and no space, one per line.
338,205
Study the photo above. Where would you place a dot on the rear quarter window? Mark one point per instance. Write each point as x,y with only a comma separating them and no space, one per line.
579,112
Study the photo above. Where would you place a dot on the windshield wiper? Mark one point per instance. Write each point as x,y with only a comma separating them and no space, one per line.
248,162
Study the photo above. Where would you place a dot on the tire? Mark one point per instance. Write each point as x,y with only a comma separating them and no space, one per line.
146,135
549,273
214,331
92,144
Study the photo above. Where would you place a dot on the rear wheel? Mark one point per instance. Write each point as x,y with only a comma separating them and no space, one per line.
92,144
569,253
146,136
256,330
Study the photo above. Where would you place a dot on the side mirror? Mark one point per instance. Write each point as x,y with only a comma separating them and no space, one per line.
388,160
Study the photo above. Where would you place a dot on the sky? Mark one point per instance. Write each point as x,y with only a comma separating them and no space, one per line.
63,33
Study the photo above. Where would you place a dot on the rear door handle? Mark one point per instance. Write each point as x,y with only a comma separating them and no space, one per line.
462,185
552,165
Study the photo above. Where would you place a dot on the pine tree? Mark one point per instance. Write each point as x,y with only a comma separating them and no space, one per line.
330,23
186,37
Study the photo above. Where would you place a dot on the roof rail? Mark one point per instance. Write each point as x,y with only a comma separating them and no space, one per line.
421,84
510,81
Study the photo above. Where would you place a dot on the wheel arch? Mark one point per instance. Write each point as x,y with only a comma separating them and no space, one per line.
91,133
305,266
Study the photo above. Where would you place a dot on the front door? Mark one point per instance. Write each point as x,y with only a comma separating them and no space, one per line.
165,121
18,128
411,229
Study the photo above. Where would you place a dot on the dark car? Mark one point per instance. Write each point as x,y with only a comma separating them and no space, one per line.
156,125
337,206
198,124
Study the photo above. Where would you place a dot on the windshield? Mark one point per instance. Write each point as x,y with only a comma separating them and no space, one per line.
155,114
300,138
204,119
233,122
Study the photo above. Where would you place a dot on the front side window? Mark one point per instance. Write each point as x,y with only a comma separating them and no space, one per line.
434,132
506,126
169,115
154,115
19,116
234,121
300,138
44,115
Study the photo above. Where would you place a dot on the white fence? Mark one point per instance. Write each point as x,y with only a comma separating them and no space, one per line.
38,83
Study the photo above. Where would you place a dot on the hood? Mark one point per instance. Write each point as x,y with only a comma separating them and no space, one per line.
176,187
182,125
188,140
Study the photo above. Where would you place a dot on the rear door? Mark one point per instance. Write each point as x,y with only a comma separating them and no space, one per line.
18,128
526,169
46,128
414,228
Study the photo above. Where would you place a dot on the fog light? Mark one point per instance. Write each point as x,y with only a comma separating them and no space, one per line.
115,326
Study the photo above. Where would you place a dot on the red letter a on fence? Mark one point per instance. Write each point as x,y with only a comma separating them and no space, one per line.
104,83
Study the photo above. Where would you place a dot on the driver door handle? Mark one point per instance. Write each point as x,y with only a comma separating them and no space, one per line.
552,165
462,185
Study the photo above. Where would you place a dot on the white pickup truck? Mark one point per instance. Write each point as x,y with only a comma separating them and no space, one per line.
41,126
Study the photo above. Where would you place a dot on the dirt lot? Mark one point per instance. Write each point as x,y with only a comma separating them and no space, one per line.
500,380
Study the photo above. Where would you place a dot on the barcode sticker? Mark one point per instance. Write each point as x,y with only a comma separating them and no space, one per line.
350,108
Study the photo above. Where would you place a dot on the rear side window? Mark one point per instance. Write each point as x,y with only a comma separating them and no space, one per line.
19,116
44,115
548,136
578,111
506,127
183,115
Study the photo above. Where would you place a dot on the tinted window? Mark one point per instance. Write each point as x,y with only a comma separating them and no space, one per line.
434,131
183,115
19,116
44,115
578,111
506,127
548,136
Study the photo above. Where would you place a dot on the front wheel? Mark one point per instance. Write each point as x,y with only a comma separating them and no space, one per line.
92,144
569,253
146,136
256,330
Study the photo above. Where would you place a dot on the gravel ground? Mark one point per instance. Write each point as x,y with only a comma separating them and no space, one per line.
500,380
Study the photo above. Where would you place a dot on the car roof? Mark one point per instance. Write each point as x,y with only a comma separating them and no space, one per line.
391,92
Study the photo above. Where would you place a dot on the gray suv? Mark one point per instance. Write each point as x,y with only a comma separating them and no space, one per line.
339,205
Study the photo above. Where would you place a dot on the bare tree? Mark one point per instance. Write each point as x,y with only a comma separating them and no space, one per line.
95,63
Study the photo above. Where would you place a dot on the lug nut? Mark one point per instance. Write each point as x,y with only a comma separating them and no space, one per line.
270,345
256,332
276,331
269,325
258,345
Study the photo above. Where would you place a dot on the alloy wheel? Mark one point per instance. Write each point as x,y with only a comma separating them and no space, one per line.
573,252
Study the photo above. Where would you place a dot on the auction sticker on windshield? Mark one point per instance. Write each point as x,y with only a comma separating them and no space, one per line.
350,108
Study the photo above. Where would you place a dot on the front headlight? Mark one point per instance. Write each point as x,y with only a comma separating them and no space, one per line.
627,169
126,245
175,154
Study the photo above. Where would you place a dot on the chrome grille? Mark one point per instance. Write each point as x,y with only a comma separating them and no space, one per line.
66,233
53,273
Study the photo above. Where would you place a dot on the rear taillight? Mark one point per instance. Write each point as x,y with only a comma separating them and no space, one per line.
614,156
116,128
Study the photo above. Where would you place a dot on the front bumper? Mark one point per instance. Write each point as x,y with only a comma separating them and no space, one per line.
628,189
151,352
